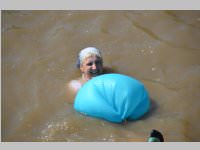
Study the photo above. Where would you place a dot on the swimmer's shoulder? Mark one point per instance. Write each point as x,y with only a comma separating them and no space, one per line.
72,88
74,85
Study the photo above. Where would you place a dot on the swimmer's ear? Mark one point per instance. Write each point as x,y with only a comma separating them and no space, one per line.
102,61
81,68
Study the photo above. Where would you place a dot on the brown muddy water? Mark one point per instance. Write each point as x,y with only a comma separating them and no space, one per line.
39,50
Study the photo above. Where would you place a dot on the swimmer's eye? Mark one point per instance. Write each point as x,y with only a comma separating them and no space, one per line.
96,63
89,64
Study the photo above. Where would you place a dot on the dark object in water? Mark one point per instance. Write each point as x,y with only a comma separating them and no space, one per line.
155,136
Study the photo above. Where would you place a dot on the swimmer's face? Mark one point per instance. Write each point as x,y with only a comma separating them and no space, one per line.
92,66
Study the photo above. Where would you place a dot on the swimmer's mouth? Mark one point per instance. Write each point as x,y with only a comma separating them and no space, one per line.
94,72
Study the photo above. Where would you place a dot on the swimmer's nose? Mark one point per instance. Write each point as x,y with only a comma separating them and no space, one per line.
94,67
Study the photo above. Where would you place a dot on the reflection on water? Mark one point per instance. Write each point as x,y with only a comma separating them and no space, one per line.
39,50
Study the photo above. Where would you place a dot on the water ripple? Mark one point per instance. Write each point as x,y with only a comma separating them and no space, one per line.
155,36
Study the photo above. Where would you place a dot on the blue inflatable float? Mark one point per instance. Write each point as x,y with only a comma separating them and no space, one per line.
113,97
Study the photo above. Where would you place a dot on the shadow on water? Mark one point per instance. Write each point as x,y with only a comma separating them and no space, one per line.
152,109
109,70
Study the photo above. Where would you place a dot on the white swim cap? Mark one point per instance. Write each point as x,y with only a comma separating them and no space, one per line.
86,52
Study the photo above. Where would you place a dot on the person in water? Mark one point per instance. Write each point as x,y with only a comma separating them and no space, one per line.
90,63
